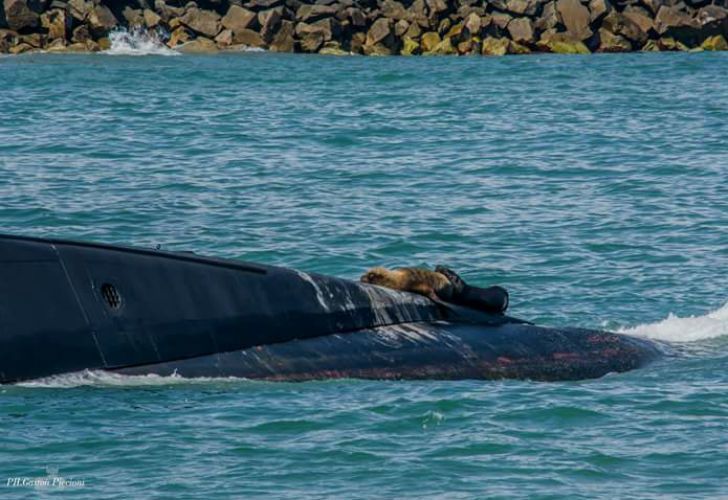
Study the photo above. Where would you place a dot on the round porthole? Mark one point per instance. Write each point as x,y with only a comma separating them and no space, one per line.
111,296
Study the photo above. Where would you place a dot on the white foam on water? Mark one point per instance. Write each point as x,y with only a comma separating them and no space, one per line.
100,378
137,42
689,329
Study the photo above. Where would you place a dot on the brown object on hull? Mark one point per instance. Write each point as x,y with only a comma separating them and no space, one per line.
411,279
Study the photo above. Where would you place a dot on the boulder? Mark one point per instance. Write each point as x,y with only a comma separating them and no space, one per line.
549,18
7,39
712,17
400,28
151,18
56,22
224,38
409,46
283,41
500,20
651,46
418,10
311,38
534,7
79,9
640,17
444,26
178,37
609,42
654,5
167,12
333,49
414,31
465,10
667,43
237,18
436,6
468,46
357,17
19,16
268,4
204,22
199,45
56,45
269,21
380,31
444,48
517,7
619,24
87,46
429,41
575,17
81,34
247,37
378,49
133,17
672,19
329,27
562,43
471,25
495,46
20,48
516,48
356,45
521,30
717,42
309,13
394,10
35,40
101,20
599,9
455,31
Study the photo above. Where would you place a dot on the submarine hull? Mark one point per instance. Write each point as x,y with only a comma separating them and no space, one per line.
69,306
415,351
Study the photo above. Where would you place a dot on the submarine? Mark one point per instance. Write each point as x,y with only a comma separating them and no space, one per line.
68,306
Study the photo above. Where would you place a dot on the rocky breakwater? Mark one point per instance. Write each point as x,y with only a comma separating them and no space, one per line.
372,27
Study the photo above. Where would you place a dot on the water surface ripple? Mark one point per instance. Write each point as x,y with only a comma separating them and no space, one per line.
594,188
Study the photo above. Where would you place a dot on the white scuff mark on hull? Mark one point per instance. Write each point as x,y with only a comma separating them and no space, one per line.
391,306
317,288
396,335
414,333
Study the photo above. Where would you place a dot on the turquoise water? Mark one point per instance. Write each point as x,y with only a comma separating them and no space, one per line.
594,188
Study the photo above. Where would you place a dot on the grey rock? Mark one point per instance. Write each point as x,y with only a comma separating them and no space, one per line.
575,17
238,18
521,30
19,16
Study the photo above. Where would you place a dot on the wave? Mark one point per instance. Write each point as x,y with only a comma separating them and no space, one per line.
137,42
100,378
688,329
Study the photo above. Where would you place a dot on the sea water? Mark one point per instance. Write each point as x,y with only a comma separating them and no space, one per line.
594,188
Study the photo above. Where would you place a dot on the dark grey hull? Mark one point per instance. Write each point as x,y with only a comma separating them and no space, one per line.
67,306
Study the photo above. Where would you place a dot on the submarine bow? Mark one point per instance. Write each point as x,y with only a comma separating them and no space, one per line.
68,306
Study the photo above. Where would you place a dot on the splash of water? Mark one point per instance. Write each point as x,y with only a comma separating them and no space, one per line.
100,378
137,42
689,329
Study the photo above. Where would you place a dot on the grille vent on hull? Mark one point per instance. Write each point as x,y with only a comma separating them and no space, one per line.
111,296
